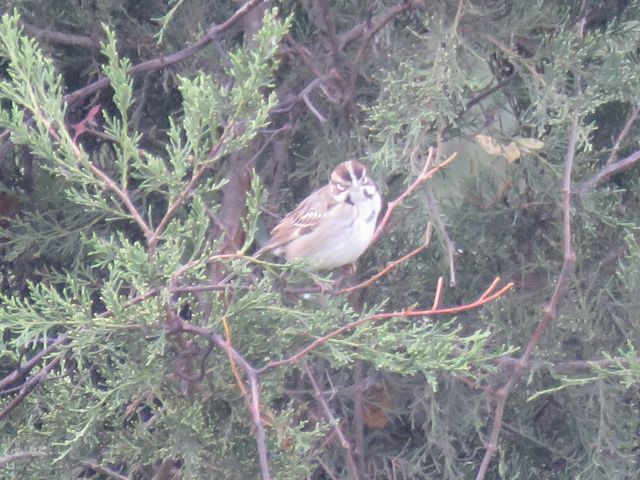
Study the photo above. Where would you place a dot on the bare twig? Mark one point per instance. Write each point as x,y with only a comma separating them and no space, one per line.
351,464
390,266
165,61
426,174
607,172
31,384
254,385
438,295
22,371
234,368
358,410
61,37
566,367
14,457
328,25
550,309
633,116
436,215
104,470
369,31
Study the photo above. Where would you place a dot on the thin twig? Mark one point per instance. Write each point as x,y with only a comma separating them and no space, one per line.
22,370
234,368
369,31
14,457
31,384
104,470
254,385
351,464
426,174
110,184
566,367
550,309
607,172
124,198
438,295
165,61
216,151
61,37
633,116
390,266
436,216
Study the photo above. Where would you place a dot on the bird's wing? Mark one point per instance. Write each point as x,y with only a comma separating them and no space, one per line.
302,220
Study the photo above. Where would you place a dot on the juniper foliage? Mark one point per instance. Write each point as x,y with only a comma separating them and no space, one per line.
116,224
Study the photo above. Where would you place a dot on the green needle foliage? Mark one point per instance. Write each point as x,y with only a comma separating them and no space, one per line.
138,333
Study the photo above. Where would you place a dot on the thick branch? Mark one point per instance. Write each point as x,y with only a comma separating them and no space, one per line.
550,309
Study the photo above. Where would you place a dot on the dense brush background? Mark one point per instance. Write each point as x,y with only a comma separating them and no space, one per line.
100,378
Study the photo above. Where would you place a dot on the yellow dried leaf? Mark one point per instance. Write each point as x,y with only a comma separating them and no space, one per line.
529,144
489,144
511,152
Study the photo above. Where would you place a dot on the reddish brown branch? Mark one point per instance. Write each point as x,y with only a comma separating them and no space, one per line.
254,386
438,295
426,174
550,309
486,297
382,272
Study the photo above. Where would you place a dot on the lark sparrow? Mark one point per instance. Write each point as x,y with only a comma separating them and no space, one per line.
334,225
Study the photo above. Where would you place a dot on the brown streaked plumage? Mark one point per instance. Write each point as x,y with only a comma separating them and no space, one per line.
334,225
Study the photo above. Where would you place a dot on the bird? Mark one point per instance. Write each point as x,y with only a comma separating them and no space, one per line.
334,225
